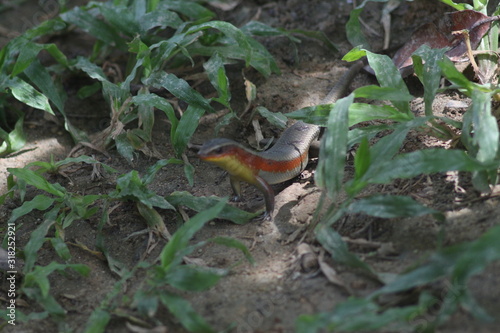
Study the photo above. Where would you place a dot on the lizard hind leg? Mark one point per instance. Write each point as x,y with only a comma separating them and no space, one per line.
235,185
261,185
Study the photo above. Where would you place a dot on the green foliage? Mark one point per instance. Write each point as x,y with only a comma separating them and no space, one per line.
455,265
172,272
200,204
358,314
161,35
381,163
155,37
138,29
62,208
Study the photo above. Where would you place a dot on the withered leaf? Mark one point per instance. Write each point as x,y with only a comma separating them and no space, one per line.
443,34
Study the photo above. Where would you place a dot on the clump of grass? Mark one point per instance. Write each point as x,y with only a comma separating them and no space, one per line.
381,163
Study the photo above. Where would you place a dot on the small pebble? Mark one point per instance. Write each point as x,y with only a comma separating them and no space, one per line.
453,104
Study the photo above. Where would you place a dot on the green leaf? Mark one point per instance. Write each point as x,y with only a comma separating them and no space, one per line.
458,262
261,60
333,243
189,172
425,63
94,26
389,206
28,53
486,135
355,54
190,9
360,112
385,149
456,6
165,50
47,27
153,219
183,311
145,302
186,127
150,173
36,241
426,161
124,147
359,314
394,94
120,17
26,94
39,75
330,171
114,265
92,70
355,135
39,275
216,72
231,242
354,33
257,28
97,321
200,204
192,278
179,88
389,77
180,239
230,31
32,178
160,18
60,247
158,102
130,187
362,159
277,119
13,141
455,77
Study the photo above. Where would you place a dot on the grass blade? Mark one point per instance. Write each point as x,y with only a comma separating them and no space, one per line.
32,178
180,89
28,95
486,134
183,311
37,239
388,76
13,141
330,171
425,64
426,162
334,244
192,278
200,204
354,32
186,127
97,28
181,237
389,206
216,72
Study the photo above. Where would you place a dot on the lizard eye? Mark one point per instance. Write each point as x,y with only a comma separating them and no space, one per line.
218,150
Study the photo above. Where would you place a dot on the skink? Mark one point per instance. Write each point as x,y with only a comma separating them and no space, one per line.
283,161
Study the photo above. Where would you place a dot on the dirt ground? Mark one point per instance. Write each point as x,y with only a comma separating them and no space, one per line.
269,296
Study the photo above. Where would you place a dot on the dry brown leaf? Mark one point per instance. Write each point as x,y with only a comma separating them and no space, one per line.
443,34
